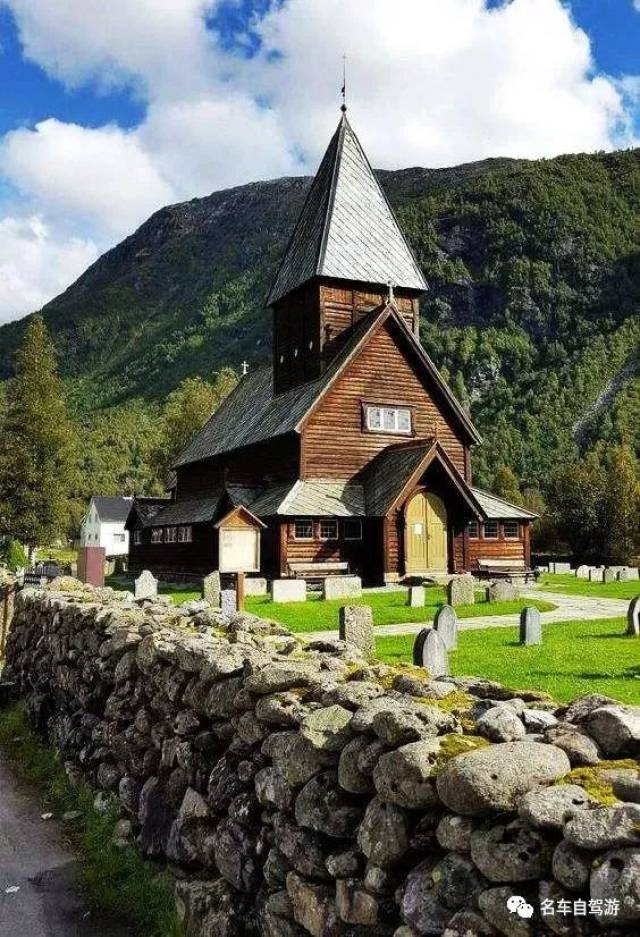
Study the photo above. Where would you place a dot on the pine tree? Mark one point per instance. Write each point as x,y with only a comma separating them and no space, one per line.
505,485
37,457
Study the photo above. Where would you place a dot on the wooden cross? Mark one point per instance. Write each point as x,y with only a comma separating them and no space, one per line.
245,368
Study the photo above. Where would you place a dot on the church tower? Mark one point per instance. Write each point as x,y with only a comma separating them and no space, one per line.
346,256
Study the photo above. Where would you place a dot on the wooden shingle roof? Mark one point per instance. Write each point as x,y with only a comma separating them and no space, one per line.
347,228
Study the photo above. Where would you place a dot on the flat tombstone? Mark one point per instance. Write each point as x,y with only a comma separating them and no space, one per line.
418,646
560,567
416,597
633,617
228,601
356,627
609,575
530,626
211,588
288,590
461,591
434,654
255,585
596,574
503,591
582,572
342,587
445,623
145,586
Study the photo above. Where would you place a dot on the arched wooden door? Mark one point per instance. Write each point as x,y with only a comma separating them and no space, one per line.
426,534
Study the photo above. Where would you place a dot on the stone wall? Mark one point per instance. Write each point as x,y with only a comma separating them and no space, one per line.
301,790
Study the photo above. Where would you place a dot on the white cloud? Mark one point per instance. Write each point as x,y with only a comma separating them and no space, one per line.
430,83
34,265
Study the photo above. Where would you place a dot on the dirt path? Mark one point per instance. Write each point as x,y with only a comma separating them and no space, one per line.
33,858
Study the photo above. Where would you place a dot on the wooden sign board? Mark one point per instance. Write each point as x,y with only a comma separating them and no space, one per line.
239,542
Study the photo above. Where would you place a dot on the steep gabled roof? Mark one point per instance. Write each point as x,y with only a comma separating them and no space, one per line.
347,228
112,508
252,413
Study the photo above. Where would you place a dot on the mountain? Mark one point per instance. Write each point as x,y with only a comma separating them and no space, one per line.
532,313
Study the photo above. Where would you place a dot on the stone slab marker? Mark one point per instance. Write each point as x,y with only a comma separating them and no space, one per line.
560,567
609,575
502,591
530,626
145,586
418,646
460,591
288,590
341,587
228,601
596,574
434,654
416,597
356,627
255,585
582,572
211,588
633,617
446,624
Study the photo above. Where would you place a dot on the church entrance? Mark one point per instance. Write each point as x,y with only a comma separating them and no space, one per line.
425,534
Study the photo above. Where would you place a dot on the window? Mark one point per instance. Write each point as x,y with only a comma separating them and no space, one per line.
490,530
171,535
303,530
118,538
511,530
388,420
185,534
156,535
474,530
137,536
328,530
352,530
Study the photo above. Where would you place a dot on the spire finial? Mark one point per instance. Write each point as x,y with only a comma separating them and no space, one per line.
343,91
391,295
245,368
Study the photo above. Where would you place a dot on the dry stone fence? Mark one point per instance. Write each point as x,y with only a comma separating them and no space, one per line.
303,789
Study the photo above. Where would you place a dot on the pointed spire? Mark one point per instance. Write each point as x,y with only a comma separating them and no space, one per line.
347,229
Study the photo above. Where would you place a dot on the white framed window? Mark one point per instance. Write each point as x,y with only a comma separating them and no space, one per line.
490,530
474,530
118,538
511,530
156,535
185,534
303,529
379,419
171,534
352,529
137,536
328,530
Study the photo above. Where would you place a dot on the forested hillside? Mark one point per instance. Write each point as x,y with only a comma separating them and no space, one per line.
533,309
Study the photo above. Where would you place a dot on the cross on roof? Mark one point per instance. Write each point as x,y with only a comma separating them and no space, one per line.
245,368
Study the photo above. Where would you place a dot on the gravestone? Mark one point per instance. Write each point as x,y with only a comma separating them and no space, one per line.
418,646
228,601
211,588
502,591
445,623
255,585
530,626
582,572
288,590
629,574
609,575
342,587
145,586
542,569
356,627
434,654
461,591
416,597
560,568
596,574
633,617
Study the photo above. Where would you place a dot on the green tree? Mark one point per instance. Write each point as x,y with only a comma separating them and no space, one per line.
577,499
506,485
621,505
37,459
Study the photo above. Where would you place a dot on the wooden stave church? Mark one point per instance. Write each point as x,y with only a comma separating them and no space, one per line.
349,452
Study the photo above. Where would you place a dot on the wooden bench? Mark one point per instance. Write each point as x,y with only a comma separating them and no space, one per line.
316,572
505,569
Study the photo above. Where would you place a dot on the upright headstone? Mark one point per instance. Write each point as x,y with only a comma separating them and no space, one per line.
288,590
502,591
434,654
145,586
633,617
609,575
228,601
530,626
596,574
461,591
445,623
418,646
341,587
416,597
211,588
356,627
582,572
255,585
560,567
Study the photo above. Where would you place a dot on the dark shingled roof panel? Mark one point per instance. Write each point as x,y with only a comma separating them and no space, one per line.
389,473
347,228
112,508
189,511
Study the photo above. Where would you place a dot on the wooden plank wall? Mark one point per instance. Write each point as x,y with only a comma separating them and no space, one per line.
342,307
501,548
334,444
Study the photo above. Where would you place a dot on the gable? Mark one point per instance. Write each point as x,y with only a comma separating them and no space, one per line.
387,369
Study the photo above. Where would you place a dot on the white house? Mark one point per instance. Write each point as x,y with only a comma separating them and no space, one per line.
103,525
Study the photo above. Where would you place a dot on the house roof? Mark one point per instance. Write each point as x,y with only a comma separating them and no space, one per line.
318,497
347,228
252,413
112,508
146,509
189,511
389,472
495,508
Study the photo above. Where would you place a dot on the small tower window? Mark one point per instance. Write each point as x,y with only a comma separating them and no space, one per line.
381,419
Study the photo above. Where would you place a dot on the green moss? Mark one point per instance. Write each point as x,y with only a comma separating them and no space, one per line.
594,781
453,744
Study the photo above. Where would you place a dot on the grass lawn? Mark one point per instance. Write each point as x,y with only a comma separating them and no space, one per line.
389,608
178,594
575,658
570,585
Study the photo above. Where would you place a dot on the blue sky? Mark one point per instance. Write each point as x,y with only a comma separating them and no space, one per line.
108,110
